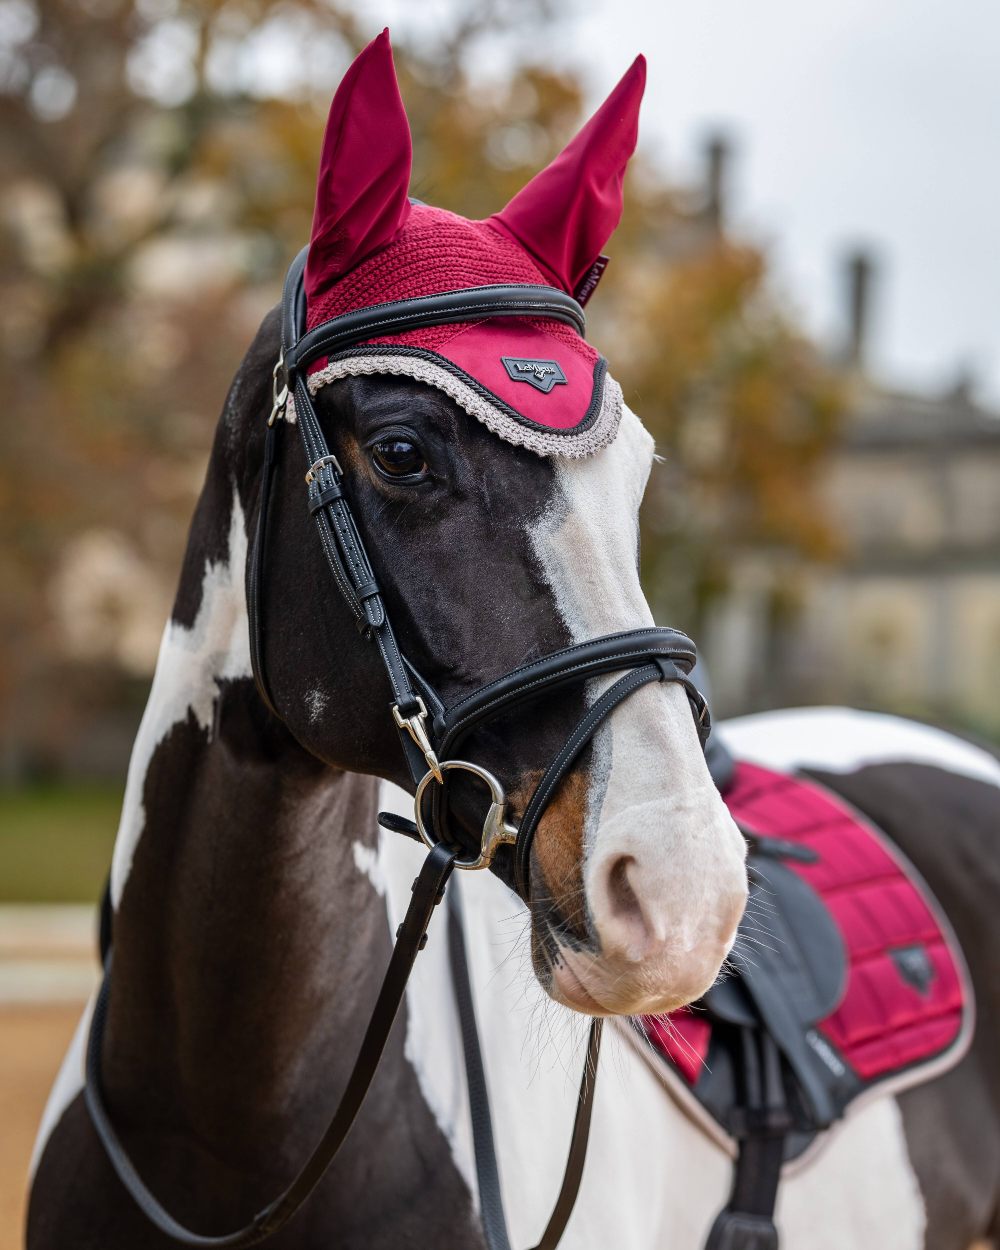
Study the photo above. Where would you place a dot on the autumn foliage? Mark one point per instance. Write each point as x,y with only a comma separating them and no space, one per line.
160,158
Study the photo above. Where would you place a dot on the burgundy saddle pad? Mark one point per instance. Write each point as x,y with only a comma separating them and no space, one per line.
905,1009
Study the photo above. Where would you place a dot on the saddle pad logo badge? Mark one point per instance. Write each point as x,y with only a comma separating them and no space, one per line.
543,375
913,964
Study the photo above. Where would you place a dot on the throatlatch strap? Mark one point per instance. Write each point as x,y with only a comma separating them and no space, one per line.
255,569
487,1176
428,890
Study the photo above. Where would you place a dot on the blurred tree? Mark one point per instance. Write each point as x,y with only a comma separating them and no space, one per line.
159,158
742,408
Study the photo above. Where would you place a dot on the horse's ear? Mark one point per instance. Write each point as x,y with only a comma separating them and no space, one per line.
566,213
364,172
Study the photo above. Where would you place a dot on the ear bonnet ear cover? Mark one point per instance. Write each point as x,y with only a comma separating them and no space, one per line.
532,381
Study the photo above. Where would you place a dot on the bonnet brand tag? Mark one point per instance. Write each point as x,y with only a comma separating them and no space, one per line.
543,375
590,280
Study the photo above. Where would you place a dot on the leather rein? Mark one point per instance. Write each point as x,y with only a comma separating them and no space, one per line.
430,735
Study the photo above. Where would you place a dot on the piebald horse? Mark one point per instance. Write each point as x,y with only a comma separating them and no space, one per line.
255,896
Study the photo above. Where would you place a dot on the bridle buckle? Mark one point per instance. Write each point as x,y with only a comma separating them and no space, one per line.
279,389
416,727
328,461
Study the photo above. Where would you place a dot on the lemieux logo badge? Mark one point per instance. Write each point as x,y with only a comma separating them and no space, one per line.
913,963
543,375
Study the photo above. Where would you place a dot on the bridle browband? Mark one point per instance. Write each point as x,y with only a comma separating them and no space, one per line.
430,735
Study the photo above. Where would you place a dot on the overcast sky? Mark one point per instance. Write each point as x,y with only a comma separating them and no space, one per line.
857,122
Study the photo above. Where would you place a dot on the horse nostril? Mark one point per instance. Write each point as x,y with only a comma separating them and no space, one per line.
625,923
621,896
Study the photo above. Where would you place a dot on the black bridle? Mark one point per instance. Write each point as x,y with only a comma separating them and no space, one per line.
431,734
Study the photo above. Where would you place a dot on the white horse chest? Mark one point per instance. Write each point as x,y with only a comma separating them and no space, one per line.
653,1179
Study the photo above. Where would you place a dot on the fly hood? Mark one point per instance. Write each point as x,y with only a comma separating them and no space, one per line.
534,381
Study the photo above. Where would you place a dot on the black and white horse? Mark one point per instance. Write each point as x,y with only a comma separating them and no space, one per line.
255,896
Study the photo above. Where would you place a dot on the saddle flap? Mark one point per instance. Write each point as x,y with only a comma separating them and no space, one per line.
792,974
787,941
797,944
730,1001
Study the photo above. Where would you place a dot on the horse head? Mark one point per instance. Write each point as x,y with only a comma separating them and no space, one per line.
495,477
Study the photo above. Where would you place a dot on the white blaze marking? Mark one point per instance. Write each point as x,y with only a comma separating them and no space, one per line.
650,794
587,545
587,539
191,664
842,740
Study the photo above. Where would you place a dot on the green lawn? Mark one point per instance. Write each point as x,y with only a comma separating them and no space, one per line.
55,841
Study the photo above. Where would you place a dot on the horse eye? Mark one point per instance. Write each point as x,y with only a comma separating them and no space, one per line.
397,457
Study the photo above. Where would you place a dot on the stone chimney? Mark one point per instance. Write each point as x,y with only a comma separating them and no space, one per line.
718,151
859,273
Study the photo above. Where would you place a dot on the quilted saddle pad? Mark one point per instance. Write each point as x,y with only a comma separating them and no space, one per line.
904,1009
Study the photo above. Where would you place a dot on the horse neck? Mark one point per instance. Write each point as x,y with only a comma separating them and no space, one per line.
246,939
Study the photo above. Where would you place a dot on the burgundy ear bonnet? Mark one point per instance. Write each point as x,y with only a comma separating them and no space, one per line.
532,381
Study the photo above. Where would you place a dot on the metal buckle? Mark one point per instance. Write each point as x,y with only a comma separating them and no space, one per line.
279,394
313,472
416,727
496,830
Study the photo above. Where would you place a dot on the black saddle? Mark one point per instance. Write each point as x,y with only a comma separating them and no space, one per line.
790,973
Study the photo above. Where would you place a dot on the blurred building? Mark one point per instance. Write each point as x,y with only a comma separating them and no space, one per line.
908,618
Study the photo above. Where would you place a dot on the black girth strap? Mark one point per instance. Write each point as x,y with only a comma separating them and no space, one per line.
747,1220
